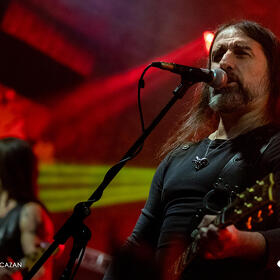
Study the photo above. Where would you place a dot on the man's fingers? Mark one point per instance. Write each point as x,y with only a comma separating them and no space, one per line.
211,232
203,233
207,219
205,239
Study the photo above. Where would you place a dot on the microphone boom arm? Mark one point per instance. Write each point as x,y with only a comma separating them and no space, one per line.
82,209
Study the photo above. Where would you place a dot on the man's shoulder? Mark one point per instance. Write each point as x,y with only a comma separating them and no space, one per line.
182,149
34,215
32,209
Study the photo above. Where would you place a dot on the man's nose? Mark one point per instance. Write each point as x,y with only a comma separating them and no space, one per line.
227,62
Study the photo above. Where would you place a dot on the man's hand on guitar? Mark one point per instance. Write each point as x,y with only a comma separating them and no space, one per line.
215,243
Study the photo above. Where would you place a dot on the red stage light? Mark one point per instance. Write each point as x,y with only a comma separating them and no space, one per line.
25,25
10,94
208,38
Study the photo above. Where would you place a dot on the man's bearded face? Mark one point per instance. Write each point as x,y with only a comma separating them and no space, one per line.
246,66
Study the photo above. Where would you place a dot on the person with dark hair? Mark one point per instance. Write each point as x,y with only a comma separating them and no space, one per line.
25,226
230,139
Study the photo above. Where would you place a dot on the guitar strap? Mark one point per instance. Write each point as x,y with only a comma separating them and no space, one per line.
238,167
240,171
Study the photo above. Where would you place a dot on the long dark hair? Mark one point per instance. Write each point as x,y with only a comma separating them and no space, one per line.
200,121
18,170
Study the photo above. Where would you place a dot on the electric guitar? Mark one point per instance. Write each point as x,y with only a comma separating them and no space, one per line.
255,206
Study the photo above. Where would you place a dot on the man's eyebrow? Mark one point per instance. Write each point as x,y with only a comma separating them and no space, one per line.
236,45
241,46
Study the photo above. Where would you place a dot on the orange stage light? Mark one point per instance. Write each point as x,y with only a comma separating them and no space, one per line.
208,38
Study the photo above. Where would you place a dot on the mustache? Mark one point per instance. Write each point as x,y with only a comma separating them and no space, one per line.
232,77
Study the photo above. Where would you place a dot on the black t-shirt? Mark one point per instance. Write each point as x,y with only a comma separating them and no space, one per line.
178,189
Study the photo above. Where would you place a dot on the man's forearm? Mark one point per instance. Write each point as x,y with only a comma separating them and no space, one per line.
252,246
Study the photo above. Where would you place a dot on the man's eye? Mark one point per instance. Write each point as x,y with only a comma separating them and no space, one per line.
240,53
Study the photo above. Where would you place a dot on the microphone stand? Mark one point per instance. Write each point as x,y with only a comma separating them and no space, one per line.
74,225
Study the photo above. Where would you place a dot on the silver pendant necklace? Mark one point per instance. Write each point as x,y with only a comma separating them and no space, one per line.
200,163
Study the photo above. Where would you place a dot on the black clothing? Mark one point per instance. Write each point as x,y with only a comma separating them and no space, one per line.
10,243
177,191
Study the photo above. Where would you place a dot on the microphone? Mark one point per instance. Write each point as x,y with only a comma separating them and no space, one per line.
216,78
